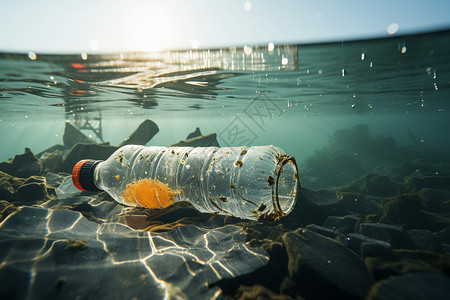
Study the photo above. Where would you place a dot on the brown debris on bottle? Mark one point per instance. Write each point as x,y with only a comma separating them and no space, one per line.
149,193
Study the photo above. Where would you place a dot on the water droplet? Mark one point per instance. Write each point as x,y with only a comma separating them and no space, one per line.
363,56
434,74
248,50
403,50
392,28
270,47
247,6
284,61
32,55
195,44
84,56
343,72
353,105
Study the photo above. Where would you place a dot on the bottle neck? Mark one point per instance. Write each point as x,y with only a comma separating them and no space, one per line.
83,175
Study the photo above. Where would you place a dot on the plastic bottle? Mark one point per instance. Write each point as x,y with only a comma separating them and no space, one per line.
253,183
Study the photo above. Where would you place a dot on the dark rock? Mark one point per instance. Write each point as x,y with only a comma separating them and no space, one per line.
407,210
396,235
76,244
51,150
52,161
316,206
194,134
270,275
73,136
435,201
444,235
324,231
6,209
446,248
425,240
366,246
35,188
323,268
23,165
380,186
9,185
258,292
144,133
345,224
412,286
398,262
86,151
432,182
209,140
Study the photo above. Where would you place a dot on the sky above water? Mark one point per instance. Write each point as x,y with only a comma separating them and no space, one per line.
90,26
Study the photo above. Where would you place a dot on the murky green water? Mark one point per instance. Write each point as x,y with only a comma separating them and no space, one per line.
292,96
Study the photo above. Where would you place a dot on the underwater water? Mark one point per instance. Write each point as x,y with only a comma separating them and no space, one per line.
372,111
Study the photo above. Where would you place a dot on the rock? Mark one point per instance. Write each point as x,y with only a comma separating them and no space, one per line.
444,235
86,151
209,140
412,286
323,268
23,165
366,246
380,186
425,240
73,136
345,224
432,182
53,160
144,133
446,248
194,134
258,292
35,188
324,231
398,262
9,185
6,209
51,150
316,206
436,201
407,210
396,235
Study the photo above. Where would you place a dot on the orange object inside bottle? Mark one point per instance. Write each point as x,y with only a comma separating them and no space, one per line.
149,193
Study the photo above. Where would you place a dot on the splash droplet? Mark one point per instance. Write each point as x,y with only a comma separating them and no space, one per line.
32,55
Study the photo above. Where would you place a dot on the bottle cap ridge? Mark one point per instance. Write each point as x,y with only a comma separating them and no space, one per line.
82,175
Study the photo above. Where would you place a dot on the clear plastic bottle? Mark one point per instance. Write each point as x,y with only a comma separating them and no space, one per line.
248,182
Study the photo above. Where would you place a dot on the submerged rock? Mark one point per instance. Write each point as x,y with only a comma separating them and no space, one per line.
194,134
398,262
396,235
73,136
345,224
9,185
380,186
323,268
408,210
209,140
6,209
34,189
86,151
412,286
23,165
142,135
